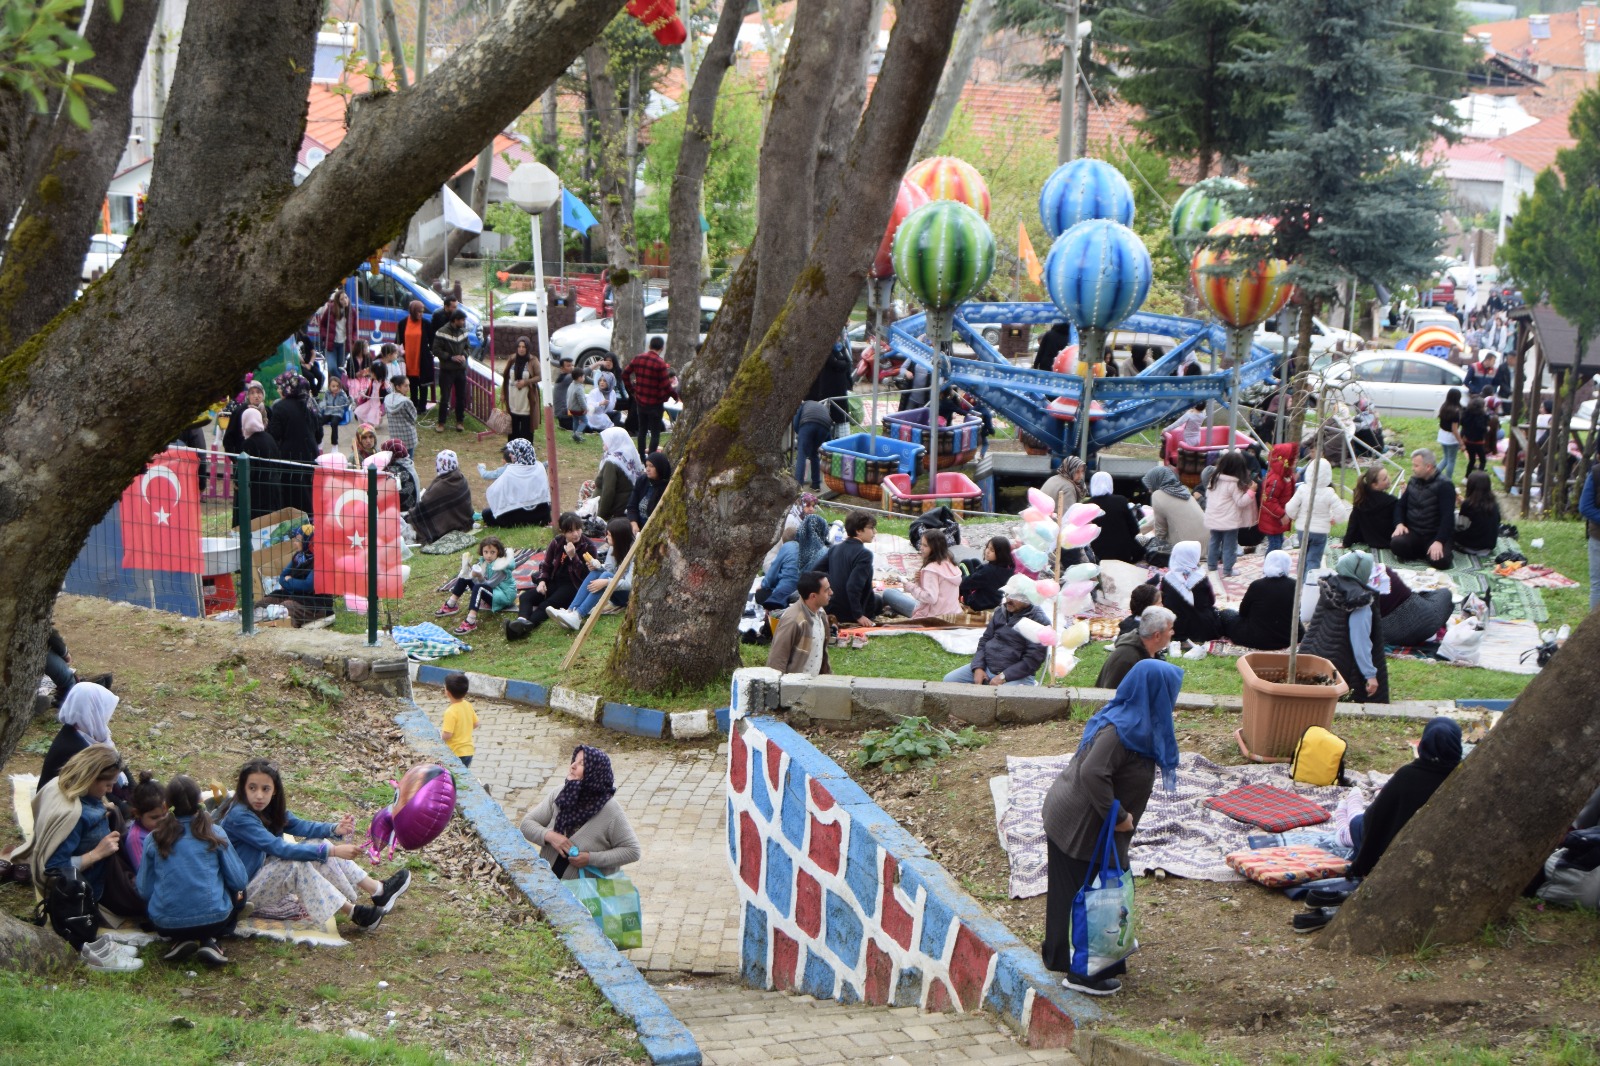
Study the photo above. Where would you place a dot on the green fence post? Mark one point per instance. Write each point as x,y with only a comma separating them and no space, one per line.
247,589
372,557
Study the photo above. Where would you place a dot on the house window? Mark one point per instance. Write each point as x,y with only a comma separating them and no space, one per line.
123,214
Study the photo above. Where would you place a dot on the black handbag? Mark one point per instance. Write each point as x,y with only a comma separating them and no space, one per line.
70,908
940,520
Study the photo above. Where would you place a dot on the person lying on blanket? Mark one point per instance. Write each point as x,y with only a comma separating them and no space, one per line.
1438,753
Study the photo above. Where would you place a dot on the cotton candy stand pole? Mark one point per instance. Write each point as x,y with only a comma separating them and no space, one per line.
1300,564
1238,349
605,598
1055,571
1094,343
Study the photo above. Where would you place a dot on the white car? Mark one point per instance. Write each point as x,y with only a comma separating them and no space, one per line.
522,309
586,342
1421,317
104,250
1324,338
1398,383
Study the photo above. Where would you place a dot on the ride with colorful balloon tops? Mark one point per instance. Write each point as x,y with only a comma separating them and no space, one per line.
1242,292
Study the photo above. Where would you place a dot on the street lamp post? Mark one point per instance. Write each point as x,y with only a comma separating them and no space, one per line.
535,188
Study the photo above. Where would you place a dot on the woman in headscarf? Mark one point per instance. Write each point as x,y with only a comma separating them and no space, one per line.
297,582
1175,516
296,428
1371,833
580,824
254,395
520,496
1119,529
1123,746
1066,485
85,718
648,489
1409,618
1347,630
1265,613
447,505
620,470
812,541
266,472
518,384
404,471
366,444
1187,593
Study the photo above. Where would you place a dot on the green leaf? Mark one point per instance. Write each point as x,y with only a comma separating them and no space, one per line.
77,107
89,81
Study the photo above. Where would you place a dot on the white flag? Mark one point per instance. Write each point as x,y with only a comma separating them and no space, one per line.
457,213
1472,274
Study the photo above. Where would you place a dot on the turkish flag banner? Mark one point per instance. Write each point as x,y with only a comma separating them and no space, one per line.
161,516
343,530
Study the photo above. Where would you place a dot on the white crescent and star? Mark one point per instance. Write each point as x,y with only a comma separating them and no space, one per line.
161,470
356,539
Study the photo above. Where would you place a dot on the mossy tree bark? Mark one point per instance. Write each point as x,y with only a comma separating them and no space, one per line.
1512,798
26,948
696,555
229,258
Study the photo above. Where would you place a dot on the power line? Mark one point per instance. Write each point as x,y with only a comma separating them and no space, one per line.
1112,130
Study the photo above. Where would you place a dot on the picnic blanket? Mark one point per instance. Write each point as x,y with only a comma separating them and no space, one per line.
1178,833
452,542
427,641
1539,577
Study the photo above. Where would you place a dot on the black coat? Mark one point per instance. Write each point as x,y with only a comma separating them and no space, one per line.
980,590
1118,530
833,380
1483,529
1372,523
67,743
1197,622
296,430
1264,614
1055,338
849,569
1401,797
1328,635
267,489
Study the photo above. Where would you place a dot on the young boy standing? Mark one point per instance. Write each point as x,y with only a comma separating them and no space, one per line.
459,720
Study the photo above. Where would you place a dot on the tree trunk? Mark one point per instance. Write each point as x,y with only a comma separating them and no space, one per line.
422,39
230,257
969,40
688,180
706,378
1298,364
391,30
28,948
615,179
1513,799
844,113
60,207
693,563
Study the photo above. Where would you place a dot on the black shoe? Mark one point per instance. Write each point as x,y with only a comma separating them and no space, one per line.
393,888
367,916
518,628
1326,897
98,679
1312,920
182,951
1092,986
211,954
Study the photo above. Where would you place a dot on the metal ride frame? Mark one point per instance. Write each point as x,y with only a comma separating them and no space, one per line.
1152,397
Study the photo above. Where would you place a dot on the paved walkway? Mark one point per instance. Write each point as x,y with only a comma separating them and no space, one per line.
734,1024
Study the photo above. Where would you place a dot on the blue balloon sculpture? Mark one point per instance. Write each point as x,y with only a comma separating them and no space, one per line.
1098,273
1081,190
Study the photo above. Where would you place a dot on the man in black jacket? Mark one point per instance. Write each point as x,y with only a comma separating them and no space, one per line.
849,569
1004,655
1425,516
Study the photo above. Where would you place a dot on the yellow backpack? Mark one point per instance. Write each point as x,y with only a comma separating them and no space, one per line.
1318,758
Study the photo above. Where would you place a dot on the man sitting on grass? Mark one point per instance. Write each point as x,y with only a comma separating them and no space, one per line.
1004,655
1146,641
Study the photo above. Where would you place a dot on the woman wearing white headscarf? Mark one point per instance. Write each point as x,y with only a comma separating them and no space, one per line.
1267,607
1186,592
85,718
520,496
1119,529
620,467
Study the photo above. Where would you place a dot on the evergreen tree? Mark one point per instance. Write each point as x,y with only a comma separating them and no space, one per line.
1431,38
1340,176
1179,61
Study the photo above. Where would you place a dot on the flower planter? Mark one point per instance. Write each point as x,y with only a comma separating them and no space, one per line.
1277,713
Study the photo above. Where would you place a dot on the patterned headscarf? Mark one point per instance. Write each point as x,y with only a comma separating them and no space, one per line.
812,541
1072,468
445,461
289,384
521,452
396,448
582,799
621,452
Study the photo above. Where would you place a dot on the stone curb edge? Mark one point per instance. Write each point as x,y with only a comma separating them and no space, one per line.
595,710
1099,1049
664,1037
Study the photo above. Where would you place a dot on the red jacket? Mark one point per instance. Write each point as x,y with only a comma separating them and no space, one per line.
1277,489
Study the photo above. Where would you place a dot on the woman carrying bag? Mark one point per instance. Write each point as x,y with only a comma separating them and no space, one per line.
1114,770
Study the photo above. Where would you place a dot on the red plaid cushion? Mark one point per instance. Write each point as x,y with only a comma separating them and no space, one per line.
1272,809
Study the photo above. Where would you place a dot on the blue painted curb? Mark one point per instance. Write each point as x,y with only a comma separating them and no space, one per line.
665,1039
621,717
639,721
1487,705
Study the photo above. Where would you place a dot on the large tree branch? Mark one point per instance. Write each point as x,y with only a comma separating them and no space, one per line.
615,176
844,113
64,190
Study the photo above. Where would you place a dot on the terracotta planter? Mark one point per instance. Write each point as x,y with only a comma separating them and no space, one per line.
1277,713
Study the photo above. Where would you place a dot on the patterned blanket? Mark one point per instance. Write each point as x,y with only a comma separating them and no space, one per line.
427,641
1177,834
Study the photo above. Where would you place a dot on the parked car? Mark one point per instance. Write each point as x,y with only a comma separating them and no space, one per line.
1398,383
587,341
522,309
383,299
1323,336
104,250
1419,317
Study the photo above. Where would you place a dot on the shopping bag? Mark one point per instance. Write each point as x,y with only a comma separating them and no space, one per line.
614,903
1104,924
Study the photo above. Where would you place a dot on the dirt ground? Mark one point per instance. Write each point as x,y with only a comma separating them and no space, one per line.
469,969
1219,960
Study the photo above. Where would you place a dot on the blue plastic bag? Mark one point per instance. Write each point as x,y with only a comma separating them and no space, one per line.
1105,925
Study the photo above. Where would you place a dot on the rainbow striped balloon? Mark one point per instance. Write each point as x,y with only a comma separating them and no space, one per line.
1440,339
944,253
1198,211
906,201
1245,299
1083,189
1098,273
945,177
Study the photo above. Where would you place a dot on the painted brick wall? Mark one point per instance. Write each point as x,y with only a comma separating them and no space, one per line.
839,902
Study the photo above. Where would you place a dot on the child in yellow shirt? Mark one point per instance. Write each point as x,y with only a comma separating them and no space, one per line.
459,720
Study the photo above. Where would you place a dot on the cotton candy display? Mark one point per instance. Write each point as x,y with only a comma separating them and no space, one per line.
1044,504
1041,535
1047,589
1032,558
1078,536
1081,572
1073,637
1081,514
1036,632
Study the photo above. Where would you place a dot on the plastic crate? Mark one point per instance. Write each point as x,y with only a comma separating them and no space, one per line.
951,489
856,465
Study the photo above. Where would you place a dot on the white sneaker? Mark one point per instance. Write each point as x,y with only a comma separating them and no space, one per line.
566,617
105,942
109,959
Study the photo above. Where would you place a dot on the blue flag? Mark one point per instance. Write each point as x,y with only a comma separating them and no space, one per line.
574,214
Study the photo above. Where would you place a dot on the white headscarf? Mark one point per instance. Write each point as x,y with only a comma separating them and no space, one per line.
522,485
1100,484
1183,569
1277,564
88,708
621,452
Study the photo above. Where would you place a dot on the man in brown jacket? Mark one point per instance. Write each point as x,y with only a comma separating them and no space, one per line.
801,644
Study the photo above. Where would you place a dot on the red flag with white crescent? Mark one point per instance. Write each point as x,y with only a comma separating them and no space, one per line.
344,531
161,516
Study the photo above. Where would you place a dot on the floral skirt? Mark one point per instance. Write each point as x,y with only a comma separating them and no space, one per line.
323,888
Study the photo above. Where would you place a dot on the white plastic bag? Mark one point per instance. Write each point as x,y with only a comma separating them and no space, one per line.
1462,642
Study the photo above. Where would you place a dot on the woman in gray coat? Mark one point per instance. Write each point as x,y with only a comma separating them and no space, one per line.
581,824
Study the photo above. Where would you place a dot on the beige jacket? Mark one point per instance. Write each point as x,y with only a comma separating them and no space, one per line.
791,644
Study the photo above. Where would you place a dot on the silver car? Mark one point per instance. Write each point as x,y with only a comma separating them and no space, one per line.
1401,384
586,342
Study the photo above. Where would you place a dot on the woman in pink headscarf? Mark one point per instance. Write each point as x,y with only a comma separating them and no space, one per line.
266,469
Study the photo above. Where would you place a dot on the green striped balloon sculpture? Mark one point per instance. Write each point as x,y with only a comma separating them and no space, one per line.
943,253
1202,206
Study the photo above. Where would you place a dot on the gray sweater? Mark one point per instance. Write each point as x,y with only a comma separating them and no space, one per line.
607,837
